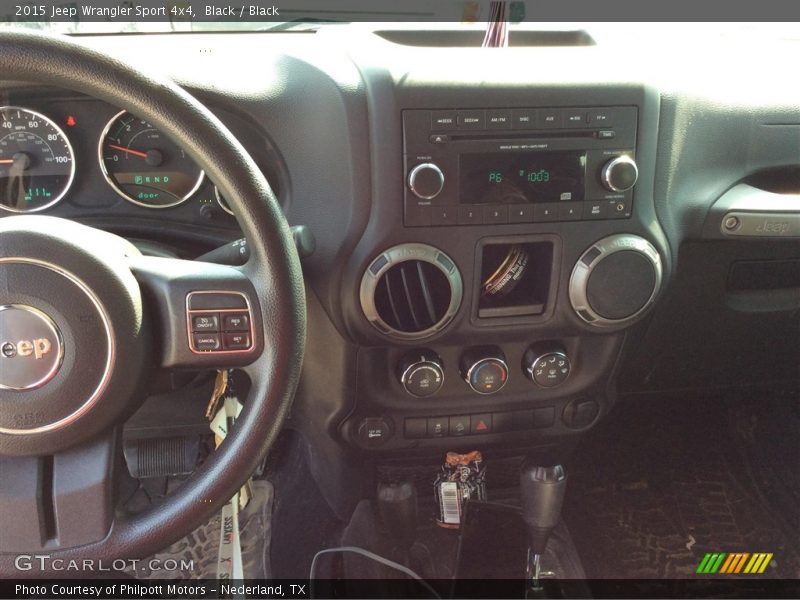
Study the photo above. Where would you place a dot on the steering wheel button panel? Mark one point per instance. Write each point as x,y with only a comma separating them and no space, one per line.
226,330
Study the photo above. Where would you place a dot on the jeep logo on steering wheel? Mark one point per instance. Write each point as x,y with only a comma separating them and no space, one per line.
31,349
36,348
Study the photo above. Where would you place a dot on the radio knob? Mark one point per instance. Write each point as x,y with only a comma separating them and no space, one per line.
421,373
426,181
620,174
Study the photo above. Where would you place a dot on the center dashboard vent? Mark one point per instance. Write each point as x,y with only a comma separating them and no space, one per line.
411,291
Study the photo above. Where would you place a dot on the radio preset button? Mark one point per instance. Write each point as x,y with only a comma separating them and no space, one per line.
495,214
470,215
444,215
571,211
544,213
521,213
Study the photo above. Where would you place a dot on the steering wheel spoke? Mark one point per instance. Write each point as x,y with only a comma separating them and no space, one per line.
205,314
57,501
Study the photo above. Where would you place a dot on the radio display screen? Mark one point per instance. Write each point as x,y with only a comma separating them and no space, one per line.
521,177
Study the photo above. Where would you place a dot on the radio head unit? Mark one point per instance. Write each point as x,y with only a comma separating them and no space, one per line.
478,166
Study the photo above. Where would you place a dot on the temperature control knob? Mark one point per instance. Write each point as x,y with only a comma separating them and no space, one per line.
485,369
426,181
620,174
546,365
421,373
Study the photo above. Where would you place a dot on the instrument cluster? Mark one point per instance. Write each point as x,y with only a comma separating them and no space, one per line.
63,157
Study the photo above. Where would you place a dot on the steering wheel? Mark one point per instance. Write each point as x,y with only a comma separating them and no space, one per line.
86,322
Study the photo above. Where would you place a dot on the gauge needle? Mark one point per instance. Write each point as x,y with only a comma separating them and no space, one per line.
7,161
128,150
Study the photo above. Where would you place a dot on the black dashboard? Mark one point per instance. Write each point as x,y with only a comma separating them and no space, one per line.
501,249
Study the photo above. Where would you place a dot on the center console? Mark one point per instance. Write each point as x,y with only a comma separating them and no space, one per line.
503,267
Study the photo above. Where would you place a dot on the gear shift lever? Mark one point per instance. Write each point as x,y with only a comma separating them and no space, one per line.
542,490
397,507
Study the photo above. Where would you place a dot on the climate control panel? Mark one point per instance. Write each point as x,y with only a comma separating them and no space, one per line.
483,369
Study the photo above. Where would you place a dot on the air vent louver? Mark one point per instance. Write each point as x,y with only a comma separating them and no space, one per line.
412,296
411,291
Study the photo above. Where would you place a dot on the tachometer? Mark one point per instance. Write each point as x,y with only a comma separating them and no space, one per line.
144,166
36,161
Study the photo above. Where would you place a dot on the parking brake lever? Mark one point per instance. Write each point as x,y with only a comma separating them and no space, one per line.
237,252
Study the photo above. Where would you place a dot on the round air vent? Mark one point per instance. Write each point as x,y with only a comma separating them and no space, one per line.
411,291
616,280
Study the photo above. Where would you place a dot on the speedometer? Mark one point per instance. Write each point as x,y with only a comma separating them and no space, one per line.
144,166
36,161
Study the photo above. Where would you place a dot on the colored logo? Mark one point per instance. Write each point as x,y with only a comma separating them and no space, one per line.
737,563
31,348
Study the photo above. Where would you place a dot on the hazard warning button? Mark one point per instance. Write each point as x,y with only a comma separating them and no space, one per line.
481,423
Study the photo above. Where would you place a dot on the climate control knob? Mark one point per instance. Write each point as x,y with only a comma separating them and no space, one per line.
485,369
426,181
620,174
421,373
546,365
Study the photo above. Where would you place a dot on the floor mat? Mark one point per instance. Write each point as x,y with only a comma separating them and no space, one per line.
666,480
201,547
